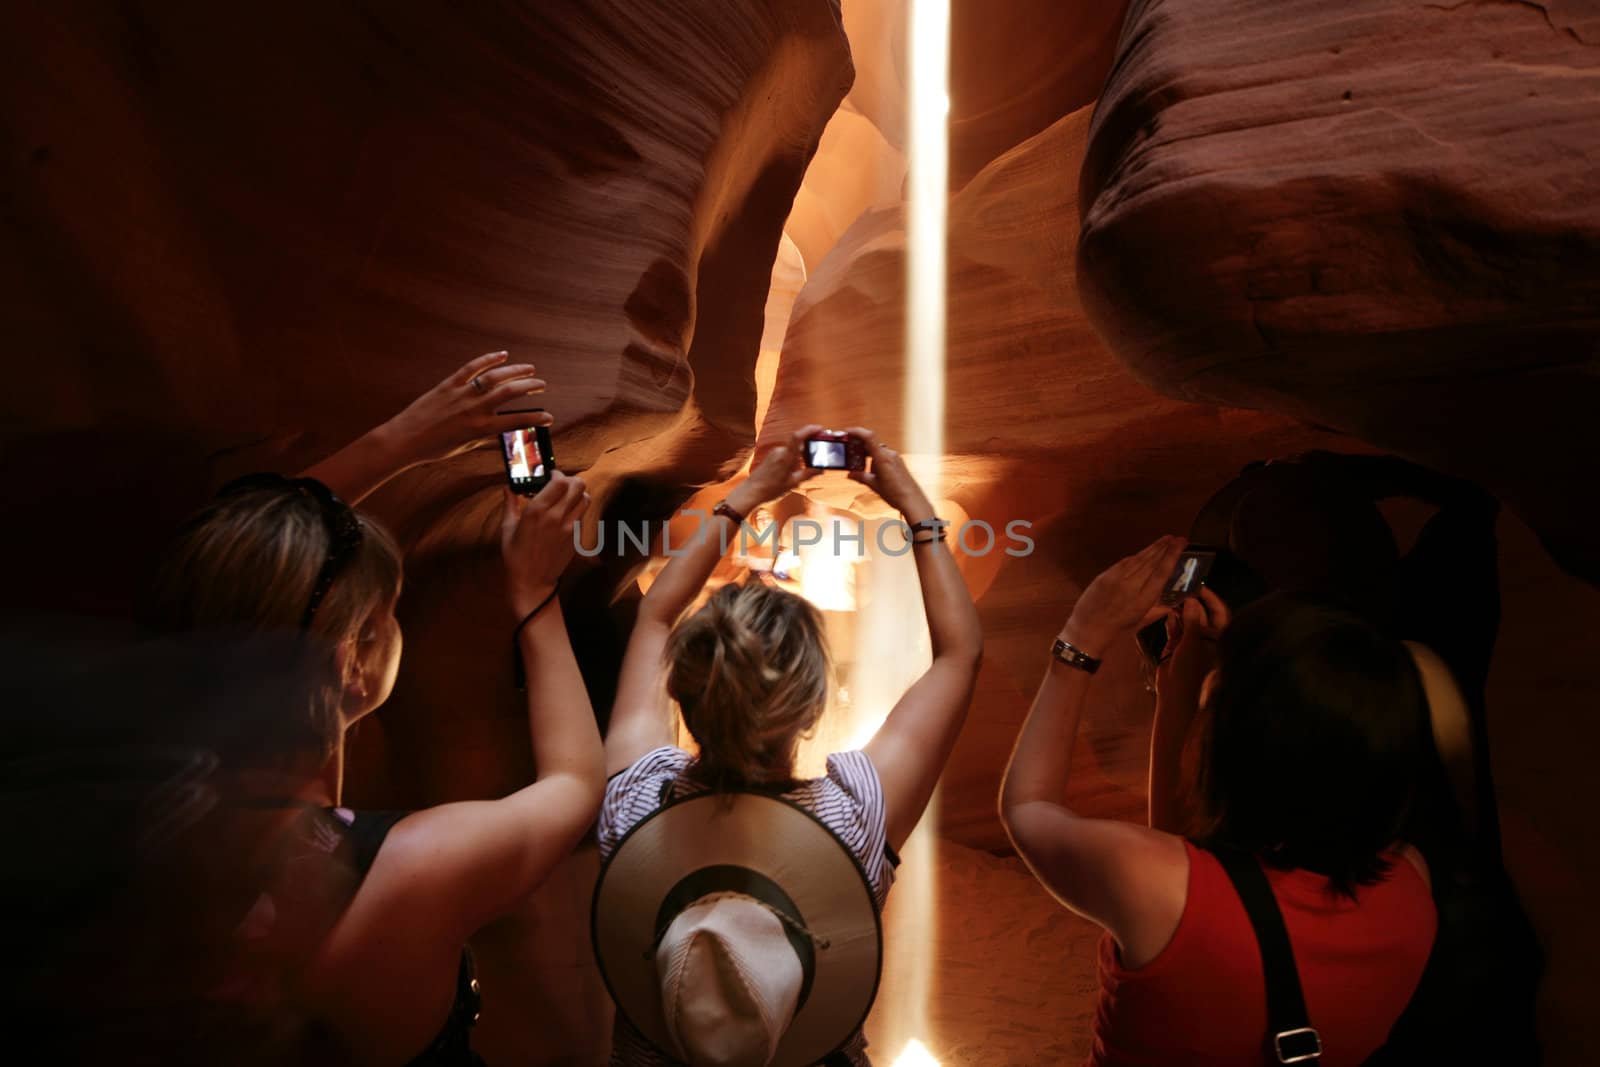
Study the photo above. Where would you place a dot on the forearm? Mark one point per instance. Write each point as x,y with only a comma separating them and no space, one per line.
953,626
684,575
364,464
1175,710
1040,763
561,722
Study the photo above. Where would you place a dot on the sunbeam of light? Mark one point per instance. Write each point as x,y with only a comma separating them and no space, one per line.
915,1055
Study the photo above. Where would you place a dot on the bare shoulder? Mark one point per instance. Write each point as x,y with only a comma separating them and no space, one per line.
383,978
1155,888
1128,878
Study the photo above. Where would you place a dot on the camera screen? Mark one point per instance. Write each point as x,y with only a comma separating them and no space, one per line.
1192,568
523,459
828,454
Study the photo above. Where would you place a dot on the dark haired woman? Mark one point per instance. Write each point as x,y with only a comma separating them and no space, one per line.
1314,732
387,900
749,671
1311,524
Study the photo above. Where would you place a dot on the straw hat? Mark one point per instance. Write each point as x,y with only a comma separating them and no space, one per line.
736,929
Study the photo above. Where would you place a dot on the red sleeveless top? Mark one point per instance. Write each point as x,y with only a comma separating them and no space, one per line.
1202,1001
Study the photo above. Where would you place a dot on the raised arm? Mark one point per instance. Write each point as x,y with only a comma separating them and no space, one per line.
486,856
641,719
442,873
1128,878
537,544
468,406
1192,635
911,747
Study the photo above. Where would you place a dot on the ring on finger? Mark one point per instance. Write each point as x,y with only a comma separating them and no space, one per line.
477,384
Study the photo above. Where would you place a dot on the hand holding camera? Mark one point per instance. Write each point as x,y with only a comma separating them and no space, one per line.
1123,597
536,538
890,478
835,450
1192,633
779,470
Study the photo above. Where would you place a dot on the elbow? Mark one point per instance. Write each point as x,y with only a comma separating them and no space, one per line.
1005,809
964,652
1014,819
1009,804
586,784
582,768
578,800
1035,827
592,775
1009,807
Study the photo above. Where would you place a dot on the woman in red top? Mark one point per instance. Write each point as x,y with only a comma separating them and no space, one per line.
1314,726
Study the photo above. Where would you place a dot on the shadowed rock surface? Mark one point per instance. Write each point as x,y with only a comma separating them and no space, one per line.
235,239
1389,222
267,232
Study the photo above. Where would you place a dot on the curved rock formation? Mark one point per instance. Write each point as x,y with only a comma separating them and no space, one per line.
265,231
1389,222
1015,69
855,170
268,232
1043,425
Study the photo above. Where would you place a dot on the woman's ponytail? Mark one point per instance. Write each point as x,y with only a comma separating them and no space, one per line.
750,671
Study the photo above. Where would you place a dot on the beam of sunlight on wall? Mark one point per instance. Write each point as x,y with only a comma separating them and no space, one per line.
928,200
892,650
882,646
911,915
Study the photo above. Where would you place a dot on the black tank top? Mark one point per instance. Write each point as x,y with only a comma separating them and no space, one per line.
361,835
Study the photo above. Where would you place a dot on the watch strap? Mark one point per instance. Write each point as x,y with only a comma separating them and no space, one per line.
1073,656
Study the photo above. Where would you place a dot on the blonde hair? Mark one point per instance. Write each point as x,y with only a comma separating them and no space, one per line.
750,672
247,562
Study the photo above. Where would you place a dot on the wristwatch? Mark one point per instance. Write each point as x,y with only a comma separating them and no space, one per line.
1073,656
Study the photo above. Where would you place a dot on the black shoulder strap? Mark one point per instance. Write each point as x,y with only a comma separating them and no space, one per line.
1291,1038
366,834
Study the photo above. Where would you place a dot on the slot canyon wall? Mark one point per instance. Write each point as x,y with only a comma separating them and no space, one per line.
236,240
1390,222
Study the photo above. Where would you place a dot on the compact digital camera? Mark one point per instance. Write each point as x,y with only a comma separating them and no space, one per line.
529,459
835,450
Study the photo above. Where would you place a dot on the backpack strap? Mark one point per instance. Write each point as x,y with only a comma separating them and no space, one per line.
1292,1039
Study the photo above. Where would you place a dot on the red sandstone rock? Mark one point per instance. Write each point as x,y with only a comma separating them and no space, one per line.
1015,68
267,232
263,231
1043,425
1375,215
855,170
